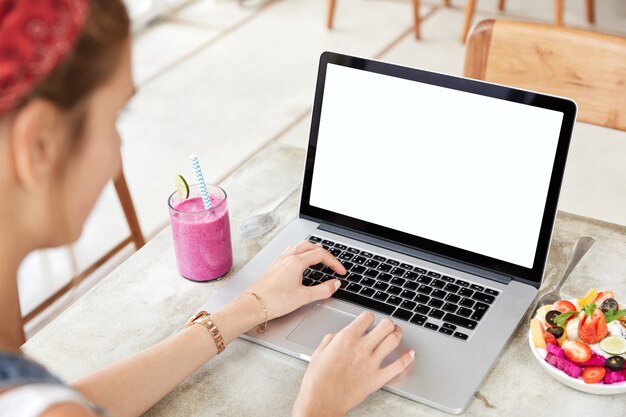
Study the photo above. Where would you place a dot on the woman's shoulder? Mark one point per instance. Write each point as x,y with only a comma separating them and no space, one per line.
28,389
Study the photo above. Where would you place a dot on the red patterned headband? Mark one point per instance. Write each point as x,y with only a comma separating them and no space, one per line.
35,36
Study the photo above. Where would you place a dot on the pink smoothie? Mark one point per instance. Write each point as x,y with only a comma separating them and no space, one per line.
202,238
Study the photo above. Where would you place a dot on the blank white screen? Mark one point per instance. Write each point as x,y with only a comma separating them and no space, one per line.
453,167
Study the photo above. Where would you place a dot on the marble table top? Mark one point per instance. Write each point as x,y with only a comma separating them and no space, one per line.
144,300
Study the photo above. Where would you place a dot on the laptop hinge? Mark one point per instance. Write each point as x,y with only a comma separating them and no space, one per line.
447,262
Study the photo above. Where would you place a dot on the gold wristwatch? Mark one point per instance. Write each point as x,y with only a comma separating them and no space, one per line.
204,319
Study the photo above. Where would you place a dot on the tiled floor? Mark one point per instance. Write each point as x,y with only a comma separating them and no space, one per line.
223,80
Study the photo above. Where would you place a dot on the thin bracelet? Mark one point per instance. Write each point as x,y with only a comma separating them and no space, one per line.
261,328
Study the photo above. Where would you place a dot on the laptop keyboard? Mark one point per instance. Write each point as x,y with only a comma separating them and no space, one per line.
425,298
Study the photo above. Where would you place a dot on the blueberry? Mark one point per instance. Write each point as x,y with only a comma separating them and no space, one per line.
615,363
609,304
550,315
556,331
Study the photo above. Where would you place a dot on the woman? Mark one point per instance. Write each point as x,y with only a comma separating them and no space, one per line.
64,76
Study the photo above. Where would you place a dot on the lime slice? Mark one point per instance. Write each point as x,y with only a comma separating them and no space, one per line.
182,188
613,345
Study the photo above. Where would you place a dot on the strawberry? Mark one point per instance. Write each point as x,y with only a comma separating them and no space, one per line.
564,306
592,326
603,296
576,351
550,339
593,374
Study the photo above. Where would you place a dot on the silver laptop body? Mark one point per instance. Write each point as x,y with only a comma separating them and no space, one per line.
461,157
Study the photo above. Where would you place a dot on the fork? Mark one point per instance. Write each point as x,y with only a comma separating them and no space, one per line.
582,247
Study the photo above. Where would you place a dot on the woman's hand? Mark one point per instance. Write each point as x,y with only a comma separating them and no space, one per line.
281,287
345,368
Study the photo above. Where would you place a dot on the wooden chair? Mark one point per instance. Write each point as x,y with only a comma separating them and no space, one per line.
588,67
332,4
470,8
136,237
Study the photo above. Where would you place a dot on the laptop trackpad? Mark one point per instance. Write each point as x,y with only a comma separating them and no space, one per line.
317,324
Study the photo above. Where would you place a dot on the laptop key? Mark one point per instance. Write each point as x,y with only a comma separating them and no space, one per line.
306,272
408,294
315,239
406,266
354,277
460,335
307,282
327,270
420,270
381,285
369,282
402,314
435,302
460,321
453,298
421,308
366,254
347,265
465,312
384,267
422,298
466,292
359,260
317,267
367,291
462,283
371,273
438,294
411,275
447,278
445,331
409,305
385,277
398,271
438,284
354,287
392,262
431,326
479,311
411,285
397,281
467,302
340,246
346,256
451,288
343,283
491,292
316,275
424,289
379,258
395,300
335,252
327,278
433,274
436,314
449,326
394,290
381,296
371,263
370,303
485,298
359,269
354,250
328,242
423,279
418,319
477,287
450,307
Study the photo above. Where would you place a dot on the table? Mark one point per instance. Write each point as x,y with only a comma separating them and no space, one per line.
144,300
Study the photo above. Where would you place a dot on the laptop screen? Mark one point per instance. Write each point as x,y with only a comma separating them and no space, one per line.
454,167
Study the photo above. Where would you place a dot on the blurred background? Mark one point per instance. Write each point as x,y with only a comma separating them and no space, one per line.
223,78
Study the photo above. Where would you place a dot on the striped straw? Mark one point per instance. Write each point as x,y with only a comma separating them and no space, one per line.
195,165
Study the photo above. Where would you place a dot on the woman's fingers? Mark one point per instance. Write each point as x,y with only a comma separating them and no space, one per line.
388,344
323,290
301,247
361,323
396,367
321,255
378,333
325,341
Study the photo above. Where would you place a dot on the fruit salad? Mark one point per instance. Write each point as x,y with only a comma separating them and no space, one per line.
584,337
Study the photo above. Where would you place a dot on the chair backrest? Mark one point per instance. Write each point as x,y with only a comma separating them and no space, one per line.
588,67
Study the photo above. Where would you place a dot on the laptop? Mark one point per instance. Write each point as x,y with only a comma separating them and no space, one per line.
439,195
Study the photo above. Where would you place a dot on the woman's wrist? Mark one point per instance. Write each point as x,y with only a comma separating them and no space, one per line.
237,317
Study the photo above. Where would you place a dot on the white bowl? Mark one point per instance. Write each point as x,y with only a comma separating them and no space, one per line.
576,383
